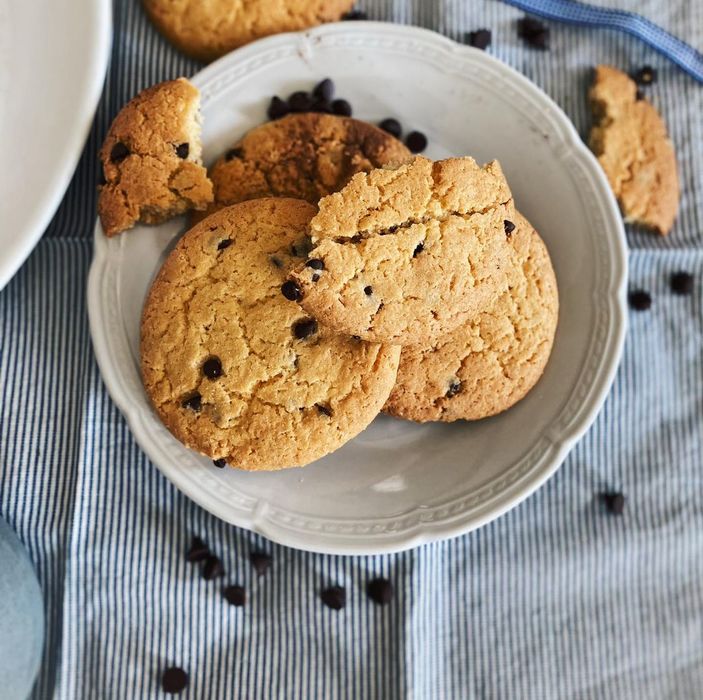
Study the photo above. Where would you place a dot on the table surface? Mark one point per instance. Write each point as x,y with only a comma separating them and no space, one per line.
557,599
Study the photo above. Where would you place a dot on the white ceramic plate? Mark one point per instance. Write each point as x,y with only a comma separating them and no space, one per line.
53,57
399,484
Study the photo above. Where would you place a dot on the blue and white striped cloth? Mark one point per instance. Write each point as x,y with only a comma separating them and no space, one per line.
557,599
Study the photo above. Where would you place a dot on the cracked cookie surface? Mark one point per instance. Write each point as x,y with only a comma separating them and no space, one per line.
486,366
630,139
406,255
306,156
151,159
207,30
234,368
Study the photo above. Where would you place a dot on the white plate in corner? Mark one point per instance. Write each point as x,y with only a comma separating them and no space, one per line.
53,57
398,484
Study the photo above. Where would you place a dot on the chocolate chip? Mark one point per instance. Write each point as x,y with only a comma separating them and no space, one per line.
342,108
193,402
291,291
324,90
234,153
219,463
392,126
224,243
509,227
682,283
334,597
356,337
480,39
235,595
261,561
315,264
212,568
304,328
368,290
416,141
324,409
119,152
212,368
182,150
355,15
533,32
277,108
454,388
646,75
198,550
302,248
315,277
322,107
613,501
174,680
640,300
275,261
418,249
380,590
639,95
300,101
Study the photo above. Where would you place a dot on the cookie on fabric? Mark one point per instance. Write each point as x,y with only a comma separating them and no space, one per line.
306,156
151,159
208,30
233,366
406,255
487,365
630,139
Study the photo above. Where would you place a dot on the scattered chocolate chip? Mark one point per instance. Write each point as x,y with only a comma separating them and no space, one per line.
454,389
645,75
276,262
682,282
324,409
480,39
324,90
302,248
321,106
212,368
300,101
342,108
533,32
182,150
119,152
193,402
291,291
368,290
261,561
380,590
509,227
639,95
392,126
101,178
198,550
212,568
356,337
304,328
235,595
277,108
224,243
174,680
355,15
234,153
219,463
640,300
416,141
334,597
418,249
315,264
613,501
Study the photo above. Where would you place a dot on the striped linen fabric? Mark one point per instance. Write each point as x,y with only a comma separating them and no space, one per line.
556,599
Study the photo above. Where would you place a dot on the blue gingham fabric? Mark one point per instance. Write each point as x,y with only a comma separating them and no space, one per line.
557,599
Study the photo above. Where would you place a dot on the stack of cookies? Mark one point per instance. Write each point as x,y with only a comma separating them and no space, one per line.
330,275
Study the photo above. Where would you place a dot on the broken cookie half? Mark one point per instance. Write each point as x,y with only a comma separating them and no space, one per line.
151,159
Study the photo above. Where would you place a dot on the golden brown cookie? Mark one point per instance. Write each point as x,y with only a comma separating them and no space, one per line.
151,159
631,142
306,156
209,29
487,365
404,256
234,368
